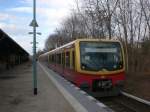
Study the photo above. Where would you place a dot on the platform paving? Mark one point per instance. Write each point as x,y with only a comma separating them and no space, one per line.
55,94
16,92
80,100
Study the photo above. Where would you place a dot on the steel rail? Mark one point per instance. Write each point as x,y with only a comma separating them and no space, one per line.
136,98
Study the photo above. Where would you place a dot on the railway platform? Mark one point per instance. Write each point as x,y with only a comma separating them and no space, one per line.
55,94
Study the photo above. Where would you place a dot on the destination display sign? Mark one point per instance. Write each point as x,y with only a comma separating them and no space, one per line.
102,50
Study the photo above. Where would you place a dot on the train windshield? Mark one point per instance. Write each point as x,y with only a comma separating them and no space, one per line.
98,56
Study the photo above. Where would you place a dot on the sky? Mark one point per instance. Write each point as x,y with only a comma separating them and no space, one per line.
16,15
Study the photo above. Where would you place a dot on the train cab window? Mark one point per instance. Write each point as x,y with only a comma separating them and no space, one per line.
96,56
67,59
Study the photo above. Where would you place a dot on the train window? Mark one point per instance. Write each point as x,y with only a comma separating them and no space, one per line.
53,58
48,58
73,60
67,59
63,59
59,58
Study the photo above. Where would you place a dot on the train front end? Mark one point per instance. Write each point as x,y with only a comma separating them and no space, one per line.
102,67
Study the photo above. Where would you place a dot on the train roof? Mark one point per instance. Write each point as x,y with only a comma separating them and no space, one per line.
102,40
78,40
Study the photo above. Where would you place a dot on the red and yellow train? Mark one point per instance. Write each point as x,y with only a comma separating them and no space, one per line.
97,66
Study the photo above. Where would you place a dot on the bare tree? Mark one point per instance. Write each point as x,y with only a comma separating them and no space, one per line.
145,5
128,20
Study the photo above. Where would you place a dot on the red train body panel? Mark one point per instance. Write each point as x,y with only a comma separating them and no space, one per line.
80,78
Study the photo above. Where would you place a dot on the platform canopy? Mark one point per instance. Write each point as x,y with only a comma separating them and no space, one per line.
9,46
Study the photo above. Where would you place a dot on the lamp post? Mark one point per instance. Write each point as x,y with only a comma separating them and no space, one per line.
34,25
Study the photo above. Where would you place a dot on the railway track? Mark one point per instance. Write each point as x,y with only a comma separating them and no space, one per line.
124,103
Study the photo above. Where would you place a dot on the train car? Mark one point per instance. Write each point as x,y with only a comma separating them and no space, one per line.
97,66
